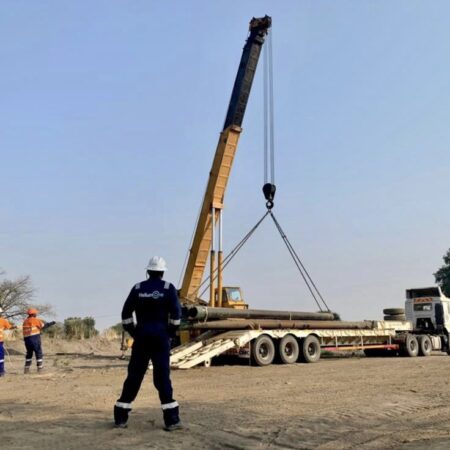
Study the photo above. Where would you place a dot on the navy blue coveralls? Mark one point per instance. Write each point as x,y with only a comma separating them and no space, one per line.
157,309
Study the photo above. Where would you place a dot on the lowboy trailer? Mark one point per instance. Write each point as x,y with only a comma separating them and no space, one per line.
291,345
264,339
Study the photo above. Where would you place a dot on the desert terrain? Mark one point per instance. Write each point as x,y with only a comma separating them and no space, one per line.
338,403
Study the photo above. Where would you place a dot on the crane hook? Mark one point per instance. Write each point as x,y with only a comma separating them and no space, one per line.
269,194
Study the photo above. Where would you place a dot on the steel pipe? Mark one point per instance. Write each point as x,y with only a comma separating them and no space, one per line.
205,313
255,324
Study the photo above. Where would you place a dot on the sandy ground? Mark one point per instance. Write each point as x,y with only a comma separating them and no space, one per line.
344,403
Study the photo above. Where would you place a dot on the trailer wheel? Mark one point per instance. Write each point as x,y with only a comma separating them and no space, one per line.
262,351
288,349
411,346
425,345
310,349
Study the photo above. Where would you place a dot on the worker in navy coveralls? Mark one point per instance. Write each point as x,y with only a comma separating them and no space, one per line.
157,309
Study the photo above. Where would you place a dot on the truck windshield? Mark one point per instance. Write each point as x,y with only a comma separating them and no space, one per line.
423,307
423,292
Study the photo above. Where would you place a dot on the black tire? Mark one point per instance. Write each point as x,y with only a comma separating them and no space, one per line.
411,346
310,349
397,317
288,349
425,345
262,350
394,311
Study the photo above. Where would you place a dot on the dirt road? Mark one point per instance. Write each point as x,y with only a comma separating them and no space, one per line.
358,403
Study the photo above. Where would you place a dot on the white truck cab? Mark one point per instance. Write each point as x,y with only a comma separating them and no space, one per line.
428,309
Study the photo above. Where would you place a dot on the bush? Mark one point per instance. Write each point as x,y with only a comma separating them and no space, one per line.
78,328
55,331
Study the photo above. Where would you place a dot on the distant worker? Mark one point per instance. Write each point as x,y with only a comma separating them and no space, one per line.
4,325
157,308
32,327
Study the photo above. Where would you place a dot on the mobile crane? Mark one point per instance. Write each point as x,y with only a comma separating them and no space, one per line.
203,244
226,323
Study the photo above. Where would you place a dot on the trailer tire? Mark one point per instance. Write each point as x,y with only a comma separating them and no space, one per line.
310,351
411,346
288,349
262,351
394,311
425,345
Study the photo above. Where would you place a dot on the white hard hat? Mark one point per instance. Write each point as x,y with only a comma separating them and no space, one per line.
157,264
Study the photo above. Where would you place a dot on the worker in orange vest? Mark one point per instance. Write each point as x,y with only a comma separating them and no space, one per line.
4,325
32,327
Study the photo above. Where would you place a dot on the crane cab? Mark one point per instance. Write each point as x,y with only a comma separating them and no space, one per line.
231,298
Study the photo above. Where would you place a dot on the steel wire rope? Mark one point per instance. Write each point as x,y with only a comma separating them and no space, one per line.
268,113
271,111
228,258
265,113
298,262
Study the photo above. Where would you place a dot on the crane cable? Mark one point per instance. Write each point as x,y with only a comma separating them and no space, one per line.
300,266
228,258
269,187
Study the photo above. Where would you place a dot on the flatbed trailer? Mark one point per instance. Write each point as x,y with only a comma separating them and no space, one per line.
287,346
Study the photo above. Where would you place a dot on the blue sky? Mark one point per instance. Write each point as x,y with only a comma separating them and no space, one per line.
109,118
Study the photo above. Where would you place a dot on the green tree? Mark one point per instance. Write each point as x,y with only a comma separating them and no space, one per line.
56,331
89,327
442,276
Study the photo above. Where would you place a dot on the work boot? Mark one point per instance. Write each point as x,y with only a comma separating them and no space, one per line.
121,416
2,374
172,419
174,426
26,370
40,369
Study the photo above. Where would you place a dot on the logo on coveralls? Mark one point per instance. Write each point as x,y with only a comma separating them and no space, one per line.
154,295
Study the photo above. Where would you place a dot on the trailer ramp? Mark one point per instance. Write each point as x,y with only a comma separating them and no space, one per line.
205,347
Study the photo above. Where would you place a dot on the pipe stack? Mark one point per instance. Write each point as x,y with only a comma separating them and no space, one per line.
204,317
266,324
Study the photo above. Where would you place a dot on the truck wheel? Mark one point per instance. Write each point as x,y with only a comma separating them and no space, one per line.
411,346
288,349
262,351
425,345
393,311
310,349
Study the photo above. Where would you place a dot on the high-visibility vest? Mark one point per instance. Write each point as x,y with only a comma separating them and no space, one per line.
4,325
32,326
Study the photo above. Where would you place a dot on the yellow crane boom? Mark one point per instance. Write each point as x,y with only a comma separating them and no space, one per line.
210,213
